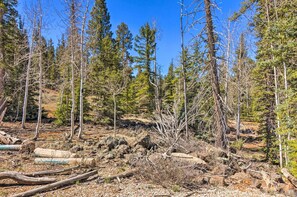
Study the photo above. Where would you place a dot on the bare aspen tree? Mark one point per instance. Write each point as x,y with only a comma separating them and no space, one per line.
219,116
31,51
72,60
40,18
82,72
183,62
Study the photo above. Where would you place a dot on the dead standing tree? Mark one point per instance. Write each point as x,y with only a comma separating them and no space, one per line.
32,20
82,71
40,46
219,117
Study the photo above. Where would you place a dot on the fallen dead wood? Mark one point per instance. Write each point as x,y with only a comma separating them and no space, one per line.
118,176
56,184
42,152
10,147
51,172
26,180
290,177
66,161
188,158
7,139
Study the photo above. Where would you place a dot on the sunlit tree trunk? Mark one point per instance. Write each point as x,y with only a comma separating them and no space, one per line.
219,117
40,72
82,75
24,117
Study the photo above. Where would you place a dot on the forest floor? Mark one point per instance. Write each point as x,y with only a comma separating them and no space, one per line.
243,173
111,162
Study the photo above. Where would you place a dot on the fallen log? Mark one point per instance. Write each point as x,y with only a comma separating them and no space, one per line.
56,184
290,177
7,139
66,161
187,157
118,176
42,152
10,147
26,180
51,172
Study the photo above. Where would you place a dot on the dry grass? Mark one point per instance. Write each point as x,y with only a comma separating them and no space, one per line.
170,175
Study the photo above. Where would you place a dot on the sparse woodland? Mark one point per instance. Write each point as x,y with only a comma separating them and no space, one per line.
94,111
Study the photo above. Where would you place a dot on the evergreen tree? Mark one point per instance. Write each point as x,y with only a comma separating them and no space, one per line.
52,72
145,47
169,86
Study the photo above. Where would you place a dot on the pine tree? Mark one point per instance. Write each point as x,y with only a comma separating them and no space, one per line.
51,69
169,86
145,47
124,40
103,60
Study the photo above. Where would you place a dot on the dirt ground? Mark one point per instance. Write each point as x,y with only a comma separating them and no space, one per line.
54,137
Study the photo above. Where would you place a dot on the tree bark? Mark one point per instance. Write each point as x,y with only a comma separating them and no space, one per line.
26,180
56,184
41,152
220,121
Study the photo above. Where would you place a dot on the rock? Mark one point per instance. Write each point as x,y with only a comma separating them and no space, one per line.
111,142
287,189
76,148
200,180
217,181
122,141
122,150
27,146
109,156
144,140
219,170
100,144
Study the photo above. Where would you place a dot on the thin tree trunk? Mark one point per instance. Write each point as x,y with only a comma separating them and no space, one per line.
24,117
183,68
278,122
156,84
72,21
114,114
286,94
240,62
220,121
40,77
82,70
227,69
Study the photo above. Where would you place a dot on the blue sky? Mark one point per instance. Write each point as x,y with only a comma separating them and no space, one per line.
135,13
